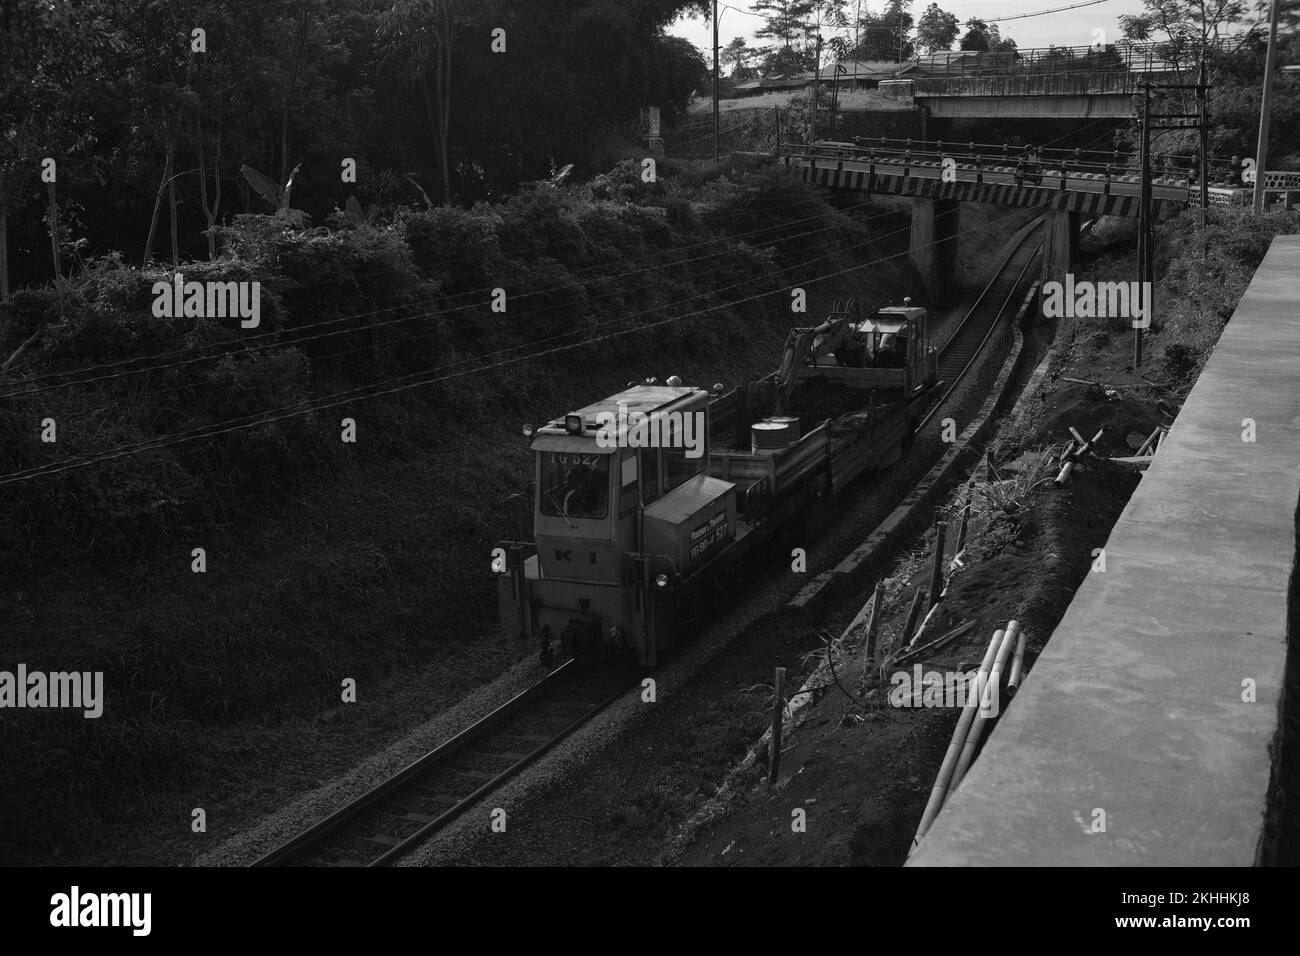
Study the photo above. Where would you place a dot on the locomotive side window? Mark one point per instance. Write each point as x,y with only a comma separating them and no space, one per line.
679,469
649,475
629,493
574,485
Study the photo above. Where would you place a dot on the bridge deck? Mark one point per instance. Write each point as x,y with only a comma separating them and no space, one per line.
1135,706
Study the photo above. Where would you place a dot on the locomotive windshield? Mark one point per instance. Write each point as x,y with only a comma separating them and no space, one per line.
574,485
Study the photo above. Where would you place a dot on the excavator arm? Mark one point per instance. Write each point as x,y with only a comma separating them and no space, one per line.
805,346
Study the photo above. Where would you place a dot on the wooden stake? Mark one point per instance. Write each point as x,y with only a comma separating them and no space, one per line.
965,517
873,626
778,713
912,614
936,571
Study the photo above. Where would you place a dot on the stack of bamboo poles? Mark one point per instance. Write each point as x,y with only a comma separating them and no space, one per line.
981,708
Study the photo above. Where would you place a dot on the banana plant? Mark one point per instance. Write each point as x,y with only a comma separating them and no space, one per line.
358,218
277,196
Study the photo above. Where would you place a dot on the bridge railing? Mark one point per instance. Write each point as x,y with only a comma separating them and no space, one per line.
1226,176
1169,168
1123,57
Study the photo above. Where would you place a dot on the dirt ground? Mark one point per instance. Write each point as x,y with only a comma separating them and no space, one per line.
861,770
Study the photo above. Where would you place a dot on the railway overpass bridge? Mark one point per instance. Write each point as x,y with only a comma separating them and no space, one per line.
1066,184
1039,83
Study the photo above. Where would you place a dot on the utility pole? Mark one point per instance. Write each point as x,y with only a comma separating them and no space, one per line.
1261,153
1203,174
817,86
1145,257
900,33
717,154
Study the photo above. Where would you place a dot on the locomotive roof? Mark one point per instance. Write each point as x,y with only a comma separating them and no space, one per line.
638,398
642,399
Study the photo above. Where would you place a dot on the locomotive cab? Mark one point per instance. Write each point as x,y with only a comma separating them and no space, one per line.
624,512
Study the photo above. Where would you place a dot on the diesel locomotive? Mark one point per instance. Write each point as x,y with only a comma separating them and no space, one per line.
648,502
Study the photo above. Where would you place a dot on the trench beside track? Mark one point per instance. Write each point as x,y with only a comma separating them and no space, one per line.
961,349
394,817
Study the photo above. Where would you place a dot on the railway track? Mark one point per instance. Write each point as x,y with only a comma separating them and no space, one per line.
959,352
394,817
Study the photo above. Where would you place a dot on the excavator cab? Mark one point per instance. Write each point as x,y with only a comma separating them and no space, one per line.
890,350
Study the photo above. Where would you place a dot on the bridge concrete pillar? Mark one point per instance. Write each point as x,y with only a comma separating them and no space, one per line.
1060,245
934,245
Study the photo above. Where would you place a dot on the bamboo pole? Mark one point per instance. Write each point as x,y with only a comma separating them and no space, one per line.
935,644
1146,445
989,694
1017,666
940,790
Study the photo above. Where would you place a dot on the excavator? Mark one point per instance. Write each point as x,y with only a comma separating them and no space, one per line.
889,350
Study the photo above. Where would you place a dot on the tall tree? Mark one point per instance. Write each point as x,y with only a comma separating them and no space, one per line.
735,54
422,38
936,30
978,36
786,20
886,35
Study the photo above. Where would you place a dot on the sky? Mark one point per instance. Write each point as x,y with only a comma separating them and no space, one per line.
1066,28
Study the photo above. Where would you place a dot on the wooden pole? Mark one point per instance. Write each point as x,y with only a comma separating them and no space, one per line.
936,571
778,713
1266,107
1203,172
717,154
965,518
912,614
1144,217
873,625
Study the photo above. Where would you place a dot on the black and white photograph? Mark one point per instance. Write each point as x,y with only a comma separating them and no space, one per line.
653,434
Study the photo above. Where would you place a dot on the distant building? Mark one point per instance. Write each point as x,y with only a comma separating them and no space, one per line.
866,74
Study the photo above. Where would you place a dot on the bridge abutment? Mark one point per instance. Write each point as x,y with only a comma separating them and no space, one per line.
1060,244
934,245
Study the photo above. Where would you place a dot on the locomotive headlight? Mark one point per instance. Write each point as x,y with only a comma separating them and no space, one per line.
528,431
661,580
573,424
